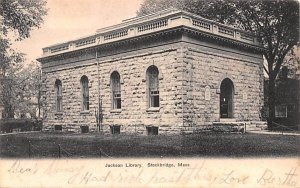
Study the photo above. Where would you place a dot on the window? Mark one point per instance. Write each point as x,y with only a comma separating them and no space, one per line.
152,130
115,129
58,88
84,129
280,111
85,93
153,90
116,90
291,108
58,127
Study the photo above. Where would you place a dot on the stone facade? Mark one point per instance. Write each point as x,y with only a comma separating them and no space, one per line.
191,63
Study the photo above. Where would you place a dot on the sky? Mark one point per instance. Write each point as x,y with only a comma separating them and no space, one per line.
71,19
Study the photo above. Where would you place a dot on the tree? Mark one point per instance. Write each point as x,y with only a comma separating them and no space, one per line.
219,10
21,91
21,16
292,62
8,91
18,18
275,22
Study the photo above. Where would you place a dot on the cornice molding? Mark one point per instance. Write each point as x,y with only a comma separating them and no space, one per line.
159,23
151,36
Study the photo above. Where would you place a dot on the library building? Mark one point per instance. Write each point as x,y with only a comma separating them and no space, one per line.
171,72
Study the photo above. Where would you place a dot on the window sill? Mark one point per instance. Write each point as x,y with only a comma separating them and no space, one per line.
153,109
58,113
84,112
116,111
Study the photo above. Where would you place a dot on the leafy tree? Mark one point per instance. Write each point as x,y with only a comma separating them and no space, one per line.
21,16
275,22
224,10
18,18
292,62
21,91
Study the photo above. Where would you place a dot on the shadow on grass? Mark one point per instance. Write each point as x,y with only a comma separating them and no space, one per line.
94,145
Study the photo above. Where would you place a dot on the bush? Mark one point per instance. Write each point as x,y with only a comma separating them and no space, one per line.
8,125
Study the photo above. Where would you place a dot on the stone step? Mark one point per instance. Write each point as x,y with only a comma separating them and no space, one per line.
47,130
229,123
227,120
248,129
228,126
259,124
234,126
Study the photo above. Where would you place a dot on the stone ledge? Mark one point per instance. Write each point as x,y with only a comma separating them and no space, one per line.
115,111
153,109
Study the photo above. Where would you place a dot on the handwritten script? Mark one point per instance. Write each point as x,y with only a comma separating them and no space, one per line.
100,173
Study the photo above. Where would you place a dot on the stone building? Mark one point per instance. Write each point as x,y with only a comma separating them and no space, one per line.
169,72
287,92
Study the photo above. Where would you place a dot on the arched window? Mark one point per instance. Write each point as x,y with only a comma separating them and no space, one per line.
58,90
85,92
116,90
153,86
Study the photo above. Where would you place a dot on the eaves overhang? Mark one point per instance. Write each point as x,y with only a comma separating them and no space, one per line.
150,27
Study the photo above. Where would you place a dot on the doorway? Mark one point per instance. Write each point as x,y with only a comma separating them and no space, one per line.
226,98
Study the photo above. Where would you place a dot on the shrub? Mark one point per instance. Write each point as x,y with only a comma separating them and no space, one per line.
8,125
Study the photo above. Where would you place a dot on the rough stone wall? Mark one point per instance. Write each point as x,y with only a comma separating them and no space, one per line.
187,67
134,116
206,68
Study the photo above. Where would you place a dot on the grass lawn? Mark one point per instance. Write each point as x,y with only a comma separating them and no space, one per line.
45,145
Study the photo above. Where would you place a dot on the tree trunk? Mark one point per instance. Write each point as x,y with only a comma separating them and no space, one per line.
39,91
271,101
39,102
6,95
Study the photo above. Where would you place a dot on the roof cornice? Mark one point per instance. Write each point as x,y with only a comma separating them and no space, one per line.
151,25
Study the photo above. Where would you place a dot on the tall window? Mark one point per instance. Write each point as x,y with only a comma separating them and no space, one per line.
116,90
85,92
153,90
58,90
281,111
